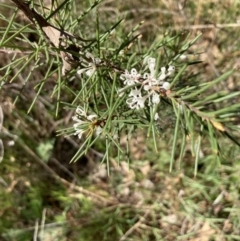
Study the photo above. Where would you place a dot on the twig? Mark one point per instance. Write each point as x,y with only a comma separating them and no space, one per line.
62,167
57,37
135,226
42,227
35,234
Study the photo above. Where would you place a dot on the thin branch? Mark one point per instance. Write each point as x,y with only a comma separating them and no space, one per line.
56,36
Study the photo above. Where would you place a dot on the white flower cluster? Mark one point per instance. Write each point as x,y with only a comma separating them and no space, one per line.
85,123
146,86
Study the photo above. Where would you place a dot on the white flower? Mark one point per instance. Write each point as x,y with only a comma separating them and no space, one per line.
151,66
171,70
147,87
98,130
89,55
125,75
148,82
121,52
130,78
163,75
135,93
75,118
79,127
156,117
136,103
89,71
92,117
84,123
183,57
97,61
92,65
136,100
79,132
134,74
155,98
166,85
80,111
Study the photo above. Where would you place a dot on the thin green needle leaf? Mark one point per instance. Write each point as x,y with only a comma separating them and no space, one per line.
228,109
6,32
108,32
80,151
106,98
178,75
135,28
110,111
85,146
227,97
210,84
151,127
154,138
178,115
85,90
23,67
41,86
108,144
59,84
57,9
74,23
110,136
26,80
113,90
212,137
184,48
14,35
208,99
198,145
183,145
13,64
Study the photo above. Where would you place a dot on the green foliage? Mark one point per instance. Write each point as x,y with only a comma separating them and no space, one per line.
101,68
131,195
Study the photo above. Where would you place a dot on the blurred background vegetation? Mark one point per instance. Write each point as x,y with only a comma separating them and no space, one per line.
43,195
